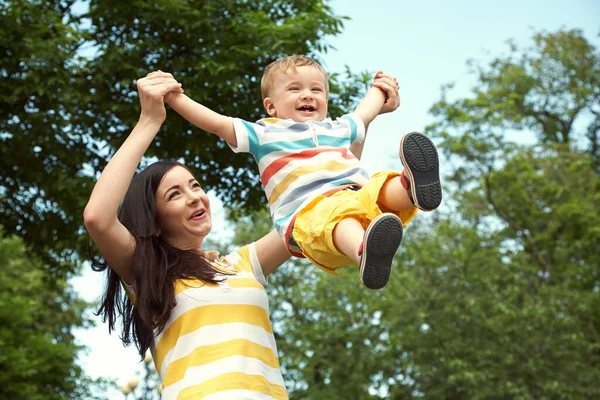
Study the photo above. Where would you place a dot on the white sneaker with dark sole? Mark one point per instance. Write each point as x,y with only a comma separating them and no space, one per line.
382,238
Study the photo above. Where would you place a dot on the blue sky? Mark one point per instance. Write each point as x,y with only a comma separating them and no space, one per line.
425,45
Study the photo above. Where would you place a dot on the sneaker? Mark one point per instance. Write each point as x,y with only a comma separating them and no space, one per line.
382,238
421,170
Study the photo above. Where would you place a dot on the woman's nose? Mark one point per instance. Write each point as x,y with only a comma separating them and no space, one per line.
193,198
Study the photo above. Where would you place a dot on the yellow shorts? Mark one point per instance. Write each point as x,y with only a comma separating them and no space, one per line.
313,227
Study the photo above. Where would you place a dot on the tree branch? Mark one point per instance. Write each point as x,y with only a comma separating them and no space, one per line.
514,225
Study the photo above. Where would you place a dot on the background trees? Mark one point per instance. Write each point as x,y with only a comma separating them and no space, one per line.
530,308
68,99
37,316
69,95
496,294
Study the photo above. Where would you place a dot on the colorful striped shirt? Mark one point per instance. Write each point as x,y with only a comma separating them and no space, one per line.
218,342
299,161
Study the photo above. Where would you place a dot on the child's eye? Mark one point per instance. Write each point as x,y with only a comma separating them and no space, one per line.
294,88
317,89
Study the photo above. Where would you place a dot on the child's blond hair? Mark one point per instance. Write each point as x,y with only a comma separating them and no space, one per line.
284,65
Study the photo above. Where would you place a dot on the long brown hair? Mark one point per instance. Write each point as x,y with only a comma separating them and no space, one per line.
156,266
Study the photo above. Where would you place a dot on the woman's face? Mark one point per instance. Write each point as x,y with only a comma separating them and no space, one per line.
182,210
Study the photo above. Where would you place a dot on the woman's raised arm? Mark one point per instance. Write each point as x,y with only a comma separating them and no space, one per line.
100,215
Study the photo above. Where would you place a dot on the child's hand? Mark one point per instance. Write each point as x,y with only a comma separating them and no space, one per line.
171,95
389,85
168,96
153,91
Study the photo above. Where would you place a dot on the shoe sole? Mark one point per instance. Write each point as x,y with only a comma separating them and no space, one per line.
419,156
382,239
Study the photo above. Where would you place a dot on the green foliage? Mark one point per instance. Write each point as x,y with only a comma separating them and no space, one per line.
497,296
68,95
346,91
524,322
37,315
218,50
551,90
477,319
42,190
68,100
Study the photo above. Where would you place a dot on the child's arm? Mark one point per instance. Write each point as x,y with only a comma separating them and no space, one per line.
204,118
371,105
387,86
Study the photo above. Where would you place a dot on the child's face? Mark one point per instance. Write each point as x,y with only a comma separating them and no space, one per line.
300,96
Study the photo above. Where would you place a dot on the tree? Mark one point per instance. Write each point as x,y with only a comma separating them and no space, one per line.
68,95
68,100
501,302
42,152
218,49
495,296
37,315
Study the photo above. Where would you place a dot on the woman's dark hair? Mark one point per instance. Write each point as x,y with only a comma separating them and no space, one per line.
156,265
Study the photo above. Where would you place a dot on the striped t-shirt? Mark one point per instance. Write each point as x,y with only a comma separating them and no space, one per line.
298,161
218,342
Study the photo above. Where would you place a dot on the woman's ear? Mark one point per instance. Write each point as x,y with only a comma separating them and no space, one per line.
270,107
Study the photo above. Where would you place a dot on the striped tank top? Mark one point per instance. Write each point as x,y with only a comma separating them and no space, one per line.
218,342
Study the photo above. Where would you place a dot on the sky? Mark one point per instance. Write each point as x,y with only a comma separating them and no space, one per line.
425,45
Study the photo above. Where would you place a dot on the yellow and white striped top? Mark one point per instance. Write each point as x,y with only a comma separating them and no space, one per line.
218,342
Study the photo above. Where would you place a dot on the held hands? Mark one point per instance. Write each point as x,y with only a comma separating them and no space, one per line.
389,85
154,90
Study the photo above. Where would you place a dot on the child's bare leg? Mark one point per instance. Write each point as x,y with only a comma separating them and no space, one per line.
393,196
348,236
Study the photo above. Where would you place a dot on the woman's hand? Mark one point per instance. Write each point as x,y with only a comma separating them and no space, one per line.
156,88
389,85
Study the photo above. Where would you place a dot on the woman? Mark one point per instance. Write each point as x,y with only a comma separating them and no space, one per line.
204,318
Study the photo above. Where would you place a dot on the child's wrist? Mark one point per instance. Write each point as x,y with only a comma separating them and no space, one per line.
172,98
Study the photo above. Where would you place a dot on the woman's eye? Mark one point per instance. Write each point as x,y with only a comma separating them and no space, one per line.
196,186
172,195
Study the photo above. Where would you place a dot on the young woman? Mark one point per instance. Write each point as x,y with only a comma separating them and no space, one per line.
204,317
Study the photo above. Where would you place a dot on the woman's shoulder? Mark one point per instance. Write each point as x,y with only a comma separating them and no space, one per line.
239,259
242,260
